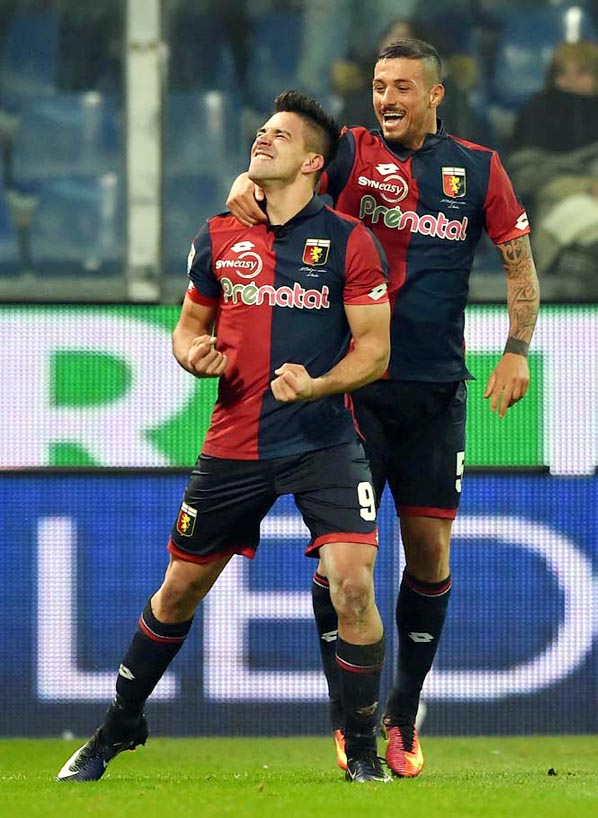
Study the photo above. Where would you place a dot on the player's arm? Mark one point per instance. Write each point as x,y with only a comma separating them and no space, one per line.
366,361
243,201
509,381
193,344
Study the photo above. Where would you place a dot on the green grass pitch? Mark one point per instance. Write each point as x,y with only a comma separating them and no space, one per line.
285,778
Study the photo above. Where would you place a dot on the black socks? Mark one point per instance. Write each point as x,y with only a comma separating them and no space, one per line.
420,615
152,649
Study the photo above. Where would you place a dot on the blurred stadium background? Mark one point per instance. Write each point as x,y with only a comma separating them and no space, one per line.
121,128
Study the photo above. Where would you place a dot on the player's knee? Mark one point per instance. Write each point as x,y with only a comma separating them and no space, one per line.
176,596
353,596
428,559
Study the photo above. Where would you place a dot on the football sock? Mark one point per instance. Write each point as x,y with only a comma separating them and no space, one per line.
420,615
360,668
152,649
327,625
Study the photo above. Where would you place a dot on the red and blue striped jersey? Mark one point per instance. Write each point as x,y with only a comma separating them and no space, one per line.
281,293
428,208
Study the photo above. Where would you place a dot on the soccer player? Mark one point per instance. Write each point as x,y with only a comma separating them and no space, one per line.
427,196
271,311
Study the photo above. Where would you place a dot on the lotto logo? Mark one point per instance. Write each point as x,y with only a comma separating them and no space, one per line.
522,222
421,637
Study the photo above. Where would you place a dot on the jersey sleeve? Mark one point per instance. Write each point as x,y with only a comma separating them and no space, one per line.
334,179
366,269
203,287
505,216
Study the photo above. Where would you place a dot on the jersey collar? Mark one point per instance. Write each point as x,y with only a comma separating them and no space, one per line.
311,208
430,141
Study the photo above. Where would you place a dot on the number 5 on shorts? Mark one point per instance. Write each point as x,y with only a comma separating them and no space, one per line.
460,468
365,495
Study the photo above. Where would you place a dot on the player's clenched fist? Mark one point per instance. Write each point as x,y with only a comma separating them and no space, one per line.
203,359
292,384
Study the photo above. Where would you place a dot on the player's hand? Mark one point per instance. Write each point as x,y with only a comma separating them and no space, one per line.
508,383
243,200
292,384
203,359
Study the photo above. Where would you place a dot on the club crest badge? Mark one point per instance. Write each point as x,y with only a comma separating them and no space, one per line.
454,182
185,523
315,252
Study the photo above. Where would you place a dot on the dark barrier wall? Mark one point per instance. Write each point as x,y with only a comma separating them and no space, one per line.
81,553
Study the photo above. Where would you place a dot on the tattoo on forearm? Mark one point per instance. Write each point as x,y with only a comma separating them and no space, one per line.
523,290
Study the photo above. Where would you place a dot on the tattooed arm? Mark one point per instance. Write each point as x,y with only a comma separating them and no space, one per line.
509,381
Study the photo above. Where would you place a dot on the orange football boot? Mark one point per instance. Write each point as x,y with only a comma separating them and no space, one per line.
403,753
338,736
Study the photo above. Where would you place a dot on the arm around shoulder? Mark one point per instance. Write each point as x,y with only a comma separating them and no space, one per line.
242,201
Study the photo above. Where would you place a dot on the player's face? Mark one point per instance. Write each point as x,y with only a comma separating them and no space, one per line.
405,100
279,152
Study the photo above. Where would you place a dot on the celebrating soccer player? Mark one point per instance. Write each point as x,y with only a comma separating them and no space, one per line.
427,196
289,315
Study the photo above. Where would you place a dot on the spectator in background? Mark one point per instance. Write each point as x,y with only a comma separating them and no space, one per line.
554,163
564,115
341,30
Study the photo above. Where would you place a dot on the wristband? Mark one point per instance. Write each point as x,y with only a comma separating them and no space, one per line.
516,346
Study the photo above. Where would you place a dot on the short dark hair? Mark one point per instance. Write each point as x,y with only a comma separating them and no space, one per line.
323,132
414,50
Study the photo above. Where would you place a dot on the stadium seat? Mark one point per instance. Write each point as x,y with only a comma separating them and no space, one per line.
78,225
525,47
69,133
29,58
273,56
202,133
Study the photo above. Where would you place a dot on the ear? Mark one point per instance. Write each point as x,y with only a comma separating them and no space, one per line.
436,95
313,163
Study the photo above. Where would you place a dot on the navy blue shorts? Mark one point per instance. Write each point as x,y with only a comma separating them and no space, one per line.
226,500
415,441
